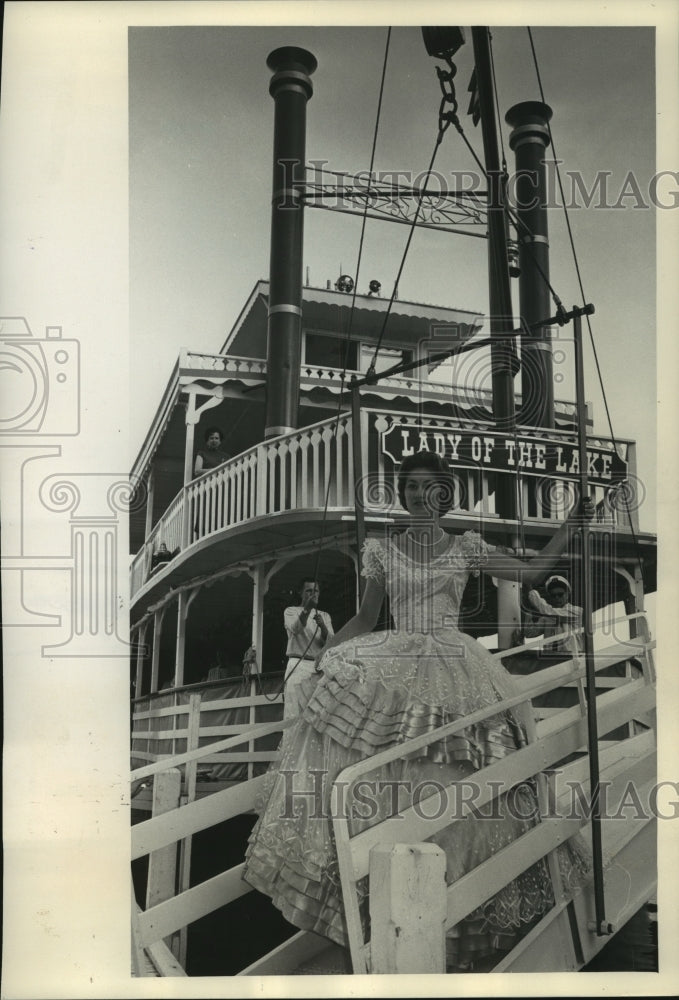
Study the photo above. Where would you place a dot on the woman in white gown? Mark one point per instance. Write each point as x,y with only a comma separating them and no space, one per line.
378,689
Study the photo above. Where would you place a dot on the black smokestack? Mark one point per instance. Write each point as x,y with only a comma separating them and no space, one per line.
290,88
529,140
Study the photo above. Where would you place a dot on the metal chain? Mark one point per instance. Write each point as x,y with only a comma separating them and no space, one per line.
447,117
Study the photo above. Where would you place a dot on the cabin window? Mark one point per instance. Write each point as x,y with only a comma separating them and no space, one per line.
387,357
330,352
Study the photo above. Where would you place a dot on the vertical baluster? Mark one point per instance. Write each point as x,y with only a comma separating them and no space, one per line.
485,495
201,509
233,489
351,485
205,501
261,473
238,488
304,475
271,456
283,480
220,512
252,472
293,450
207,506
315,458
327,466
210,502
339,468
526,496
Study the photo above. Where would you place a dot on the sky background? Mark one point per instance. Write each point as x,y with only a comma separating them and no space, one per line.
201,128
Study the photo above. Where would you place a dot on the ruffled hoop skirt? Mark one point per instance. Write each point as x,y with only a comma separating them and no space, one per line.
375,692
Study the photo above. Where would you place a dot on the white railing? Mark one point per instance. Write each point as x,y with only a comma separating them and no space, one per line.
416,383
549,742
223,497
303,469
196,361
313,466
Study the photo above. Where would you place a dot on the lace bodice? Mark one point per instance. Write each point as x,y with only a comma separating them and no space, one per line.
425,597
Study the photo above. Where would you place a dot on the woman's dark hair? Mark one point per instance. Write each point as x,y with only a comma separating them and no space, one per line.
209,431
429,461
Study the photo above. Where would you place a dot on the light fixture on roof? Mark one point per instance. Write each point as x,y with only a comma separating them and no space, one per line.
374,287
345,283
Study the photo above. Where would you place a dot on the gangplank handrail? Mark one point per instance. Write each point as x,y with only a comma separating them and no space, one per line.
351,774
161,831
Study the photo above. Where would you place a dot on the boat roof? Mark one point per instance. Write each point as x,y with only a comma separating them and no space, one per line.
330,309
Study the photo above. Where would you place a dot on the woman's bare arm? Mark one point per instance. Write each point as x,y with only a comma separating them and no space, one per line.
530,572
363,621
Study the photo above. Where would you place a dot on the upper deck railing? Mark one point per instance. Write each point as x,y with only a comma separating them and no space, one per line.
418,384
313,466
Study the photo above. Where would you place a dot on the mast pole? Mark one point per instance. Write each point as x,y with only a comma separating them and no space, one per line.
501,321
586,592
357,452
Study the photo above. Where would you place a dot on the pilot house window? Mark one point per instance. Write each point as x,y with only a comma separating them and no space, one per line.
330,352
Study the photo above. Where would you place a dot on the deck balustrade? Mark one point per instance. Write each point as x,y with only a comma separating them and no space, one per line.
312,467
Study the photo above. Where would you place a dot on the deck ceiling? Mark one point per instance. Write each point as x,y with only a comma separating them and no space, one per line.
284,536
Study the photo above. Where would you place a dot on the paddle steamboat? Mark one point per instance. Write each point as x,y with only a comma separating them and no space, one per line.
320,393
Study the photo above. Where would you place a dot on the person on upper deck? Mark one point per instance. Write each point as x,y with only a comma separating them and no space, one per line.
380,689
161,557
211,455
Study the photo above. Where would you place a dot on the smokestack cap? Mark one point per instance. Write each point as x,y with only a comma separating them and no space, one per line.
529,117
289,57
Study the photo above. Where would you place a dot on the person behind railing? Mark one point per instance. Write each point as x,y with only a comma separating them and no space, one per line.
380,689
555,615
308,630
160,557
210,456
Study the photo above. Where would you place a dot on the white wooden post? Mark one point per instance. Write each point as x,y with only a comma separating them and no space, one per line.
260,580
150,486
182,610
141,641
508,611
163,862
155,658
192,739
186,599
408,909
193,414
191,420
138,956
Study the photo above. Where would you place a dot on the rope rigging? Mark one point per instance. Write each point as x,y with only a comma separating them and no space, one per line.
448,115
635,541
